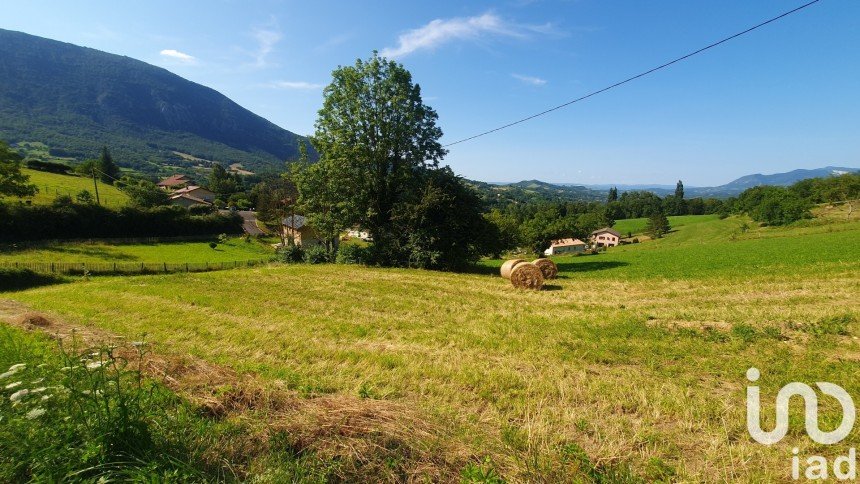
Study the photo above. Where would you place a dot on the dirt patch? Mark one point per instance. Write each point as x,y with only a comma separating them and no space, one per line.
370,439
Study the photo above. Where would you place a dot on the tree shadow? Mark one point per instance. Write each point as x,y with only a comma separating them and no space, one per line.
551,287
480,269
21,279
590,266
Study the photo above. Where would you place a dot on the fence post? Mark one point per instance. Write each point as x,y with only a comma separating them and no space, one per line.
165,267
114,266
52,267
186,267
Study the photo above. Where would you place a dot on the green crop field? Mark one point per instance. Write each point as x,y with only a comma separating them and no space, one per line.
52,184
629,366
236,249
636,226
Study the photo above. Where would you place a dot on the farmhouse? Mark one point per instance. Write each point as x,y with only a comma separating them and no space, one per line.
565,246
197,192
186,200
297,228
173,182
605,237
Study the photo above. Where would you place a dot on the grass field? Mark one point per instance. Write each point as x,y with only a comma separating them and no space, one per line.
636,226
51,185
172,253
630,366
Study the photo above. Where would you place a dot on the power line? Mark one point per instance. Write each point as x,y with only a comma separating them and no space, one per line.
637,76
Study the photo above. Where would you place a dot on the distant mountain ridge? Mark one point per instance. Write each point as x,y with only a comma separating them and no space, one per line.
574,192
76,99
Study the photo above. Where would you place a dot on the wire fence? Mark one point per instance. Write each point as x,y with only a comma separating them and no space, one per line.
93,268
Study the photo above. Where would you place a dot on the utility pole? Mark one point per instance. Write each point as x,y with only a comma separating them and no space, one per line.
96,185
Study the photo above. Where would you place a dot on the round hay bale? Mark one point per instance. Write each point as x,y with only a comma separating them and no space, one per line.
527,276
548,267
509,265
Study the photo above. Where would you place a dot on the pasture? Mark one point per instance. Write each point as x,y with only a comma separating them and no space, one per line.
52,185
629,367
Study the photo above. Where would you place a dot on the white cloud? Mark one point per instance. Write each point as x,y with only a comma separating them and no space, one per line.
534,81
295,85
266,40
180,56
440,31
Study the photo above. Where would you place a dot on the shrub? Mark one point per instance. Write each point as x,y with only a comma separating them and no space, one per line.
352,254
201,209
223,239
317,254
292,253
212,245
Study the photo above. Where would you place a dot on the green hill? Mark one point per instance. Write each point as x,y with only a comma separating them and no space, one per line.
76,99
52,185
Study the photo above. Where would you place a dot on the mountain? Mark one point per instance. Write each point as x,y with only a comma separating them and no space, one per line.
495,194
781,179
76,99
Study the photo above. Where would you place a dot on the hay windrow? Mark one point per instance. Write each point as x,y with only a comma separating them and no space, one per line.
547,267
527,276
508,267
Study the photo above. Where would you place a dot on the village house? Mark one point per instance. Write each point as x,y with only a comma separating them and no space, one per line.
185,200
174,182
196,192
605,237
297,228
358,233
565,246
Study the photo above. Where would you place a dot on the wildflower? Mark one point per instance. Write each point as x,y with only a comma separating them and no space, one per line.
138,344
94,365
36,382
20,394
13,385
12,370
38,390
43,365
35,413
47,397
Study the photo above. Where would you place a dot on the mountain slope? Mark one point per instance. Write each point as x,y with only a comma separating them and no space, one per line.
76,99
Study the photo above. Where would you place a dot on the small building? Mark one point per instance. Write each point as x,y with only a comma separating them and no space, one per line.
565,246
186,200
297,228
174,182
605,237
197,192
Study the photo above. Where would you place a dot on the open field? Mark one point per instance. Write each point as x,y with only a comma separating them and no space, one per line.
636,226
236,249
630,365
52,184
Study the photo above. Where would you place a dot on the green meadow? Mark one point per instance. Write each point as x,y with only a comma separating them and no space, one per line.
236,249
628,367
51,185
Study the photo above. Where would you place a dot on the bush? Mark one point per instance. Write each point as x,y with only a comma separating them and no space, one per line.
67,220
317,254
292,254
201,209
352,254
48,166
212,245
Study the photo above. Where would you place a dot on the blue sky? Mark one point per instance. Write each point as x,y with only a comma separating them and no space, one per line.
780,98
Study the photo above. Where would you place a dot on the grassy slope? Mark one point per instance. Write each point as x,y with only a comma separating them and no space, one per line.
637,225
637,355
52,184
192,252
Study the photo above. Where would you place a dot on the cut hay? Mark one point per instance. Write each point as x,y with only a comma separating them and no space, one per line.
548,267
508,267
527,276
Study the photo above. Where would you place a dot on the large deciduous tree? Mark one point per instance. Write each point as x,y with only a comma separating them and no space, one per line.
376,139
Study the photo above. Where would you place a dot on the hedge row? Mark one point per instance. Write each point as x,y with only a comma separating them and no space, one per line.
20,222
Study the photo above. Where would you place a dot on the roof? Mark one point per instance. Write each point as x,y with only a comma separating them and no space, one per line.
294,221
566,242
607,230
173,181
189,197
191,188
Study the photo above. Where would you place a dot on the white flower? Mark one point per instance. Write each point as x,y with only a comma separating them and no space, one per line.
35,413
19,366
19,395
46,397
43,365
138,344
36,382
13,385
94,365
38,390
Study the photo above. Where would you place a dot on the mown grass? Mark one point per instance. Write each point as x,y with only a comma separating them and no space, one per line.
630,366
236,249
52,185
